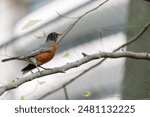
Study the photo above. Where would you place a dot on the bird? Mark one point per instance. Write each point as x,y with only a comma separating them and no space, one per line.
41,55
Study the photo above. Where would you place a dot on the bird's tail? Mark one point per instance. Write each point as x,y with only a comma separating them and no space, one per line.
29,67
9,59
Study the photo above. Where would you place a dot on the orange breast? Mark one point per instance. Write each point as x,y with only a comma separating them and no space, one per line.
46,56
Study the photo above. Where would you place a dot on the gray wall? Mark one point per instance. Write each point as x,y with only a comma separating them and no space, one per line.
137,77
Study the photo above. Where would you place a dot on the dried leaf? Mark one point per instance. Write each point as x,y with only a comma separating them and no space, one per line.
13,81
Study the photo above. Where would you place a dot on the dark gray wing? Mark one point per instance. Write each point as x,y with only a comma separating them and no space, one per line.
43,48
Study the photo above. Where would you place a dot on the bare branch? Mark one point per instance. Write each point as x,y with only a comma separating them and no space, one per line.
85,59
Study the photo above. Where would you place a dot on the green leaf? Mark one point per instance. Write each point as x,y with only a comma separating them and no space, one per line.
22,98
87,94
30,24
13,81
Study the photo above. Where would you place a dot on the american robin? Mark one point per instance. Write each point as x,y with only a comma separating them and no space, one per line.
41,55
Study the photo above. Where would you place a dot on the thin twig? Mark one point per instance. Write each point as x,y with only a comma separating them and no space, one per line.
66,16
136,37
66,93
78,19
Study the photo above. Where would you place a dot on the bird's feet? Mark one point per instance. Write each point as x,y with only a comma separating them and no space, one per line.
45,68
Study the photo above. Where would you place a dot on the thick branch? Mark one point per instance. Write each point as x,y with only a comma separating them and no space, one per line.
85,59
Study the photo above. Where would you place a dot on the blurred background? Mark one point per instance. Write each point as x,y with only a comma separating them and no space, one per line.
25,24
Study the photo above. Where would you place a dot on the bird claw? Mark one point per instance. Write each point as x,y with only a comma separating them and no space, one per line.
45,68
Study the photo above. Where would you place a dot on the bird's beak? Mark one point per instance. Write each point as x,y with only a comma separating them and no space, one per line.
59,33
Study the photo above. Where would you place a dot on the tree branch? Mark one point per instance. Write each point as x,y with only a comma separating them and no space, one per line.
85,59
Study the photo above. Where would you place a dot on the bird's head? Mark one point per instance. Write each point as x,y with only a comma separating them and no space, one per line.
53,36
